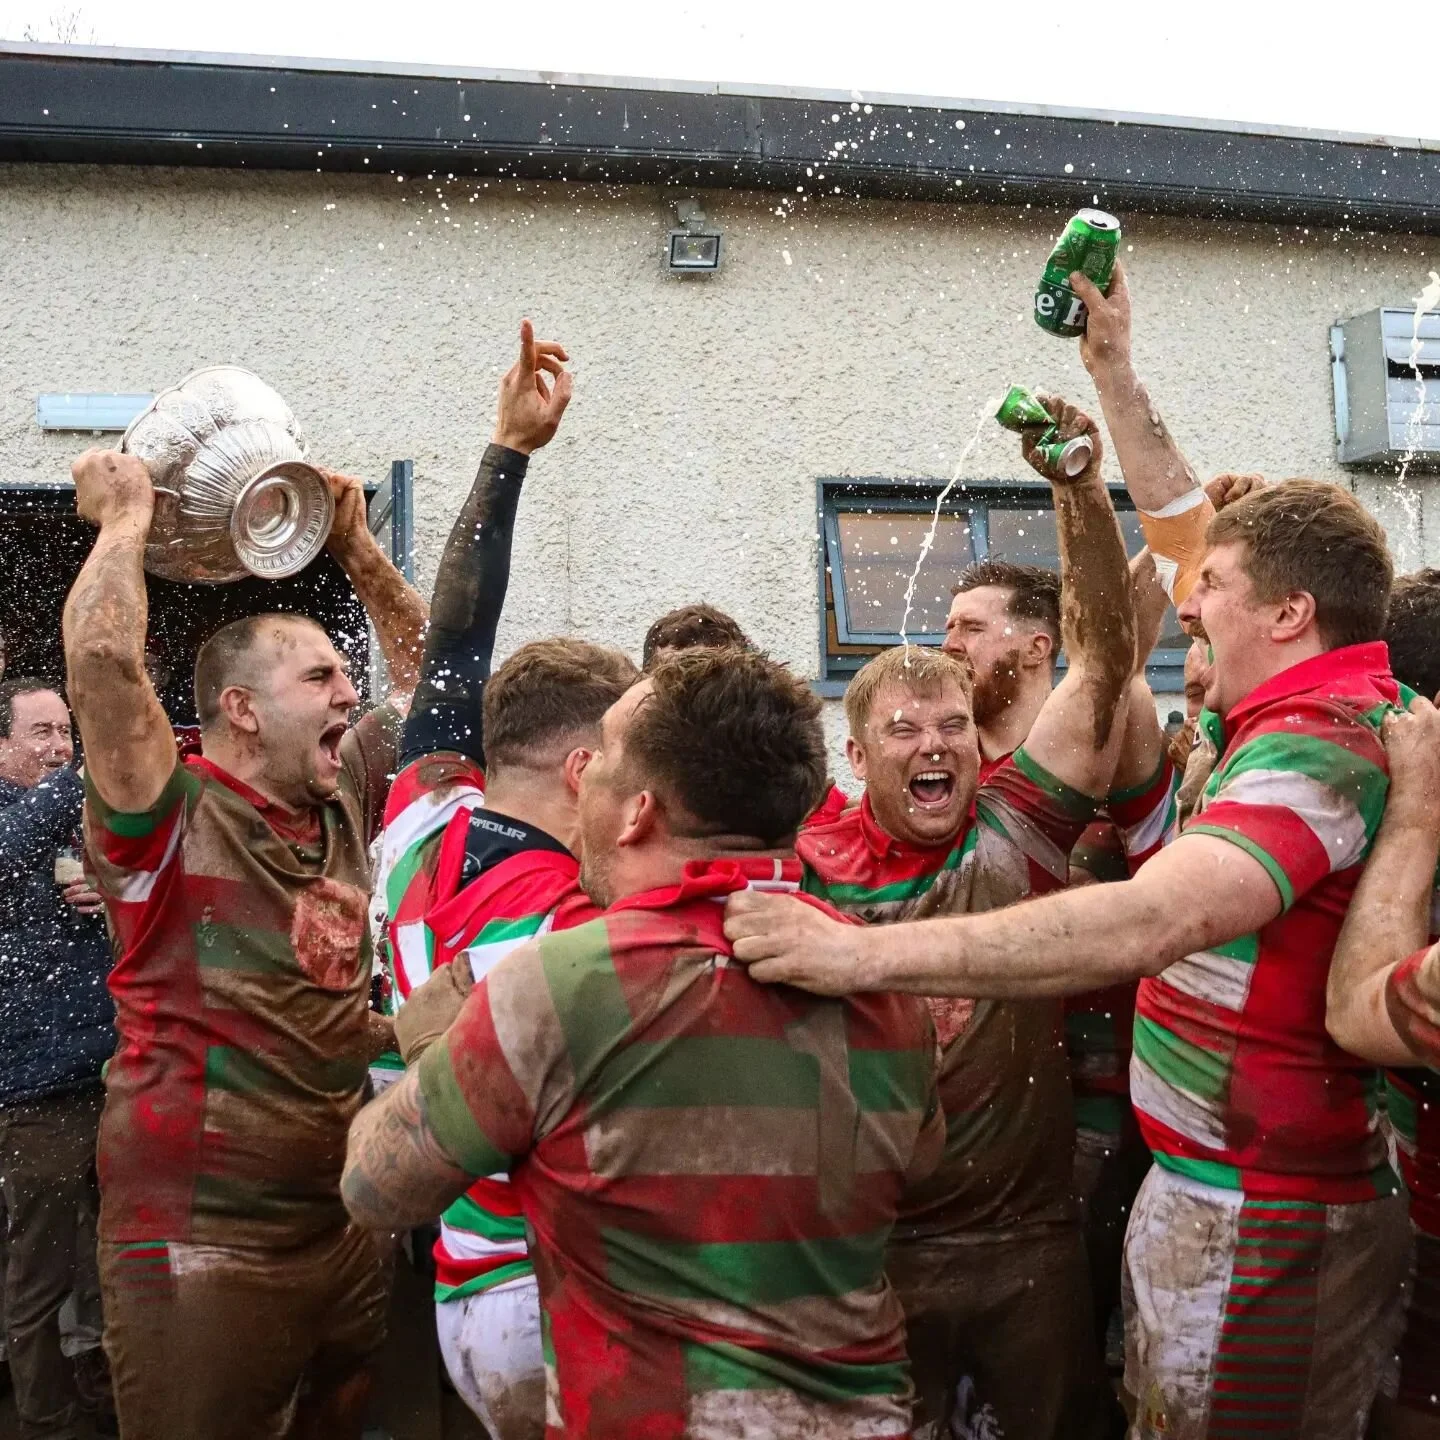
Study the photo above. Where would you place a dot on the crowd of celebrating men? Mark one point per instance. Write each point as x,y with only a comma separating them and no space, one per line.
745,1109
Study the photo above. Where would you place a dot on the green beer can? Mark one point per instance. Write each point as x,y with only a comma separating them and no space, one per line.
1089,244
1021,411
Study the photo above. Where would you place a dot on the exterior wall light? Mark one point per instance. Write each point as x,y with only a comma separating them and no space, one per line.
694,249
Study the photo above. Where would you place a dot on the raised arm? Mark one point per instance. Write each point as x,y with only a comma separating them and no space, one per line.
1157,474
1200,892
129,746
1389,916
1075,737
475,568
394,606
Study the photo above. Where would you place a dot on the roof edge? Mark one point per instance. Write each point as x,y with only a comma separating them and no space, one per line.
403,69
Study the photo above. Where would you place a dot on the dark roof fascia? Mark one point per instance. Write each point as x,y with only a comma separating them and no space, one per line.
59,105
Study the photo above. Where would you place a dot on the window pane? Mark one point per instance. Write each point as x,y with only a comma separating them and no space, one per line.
1027,537
879,549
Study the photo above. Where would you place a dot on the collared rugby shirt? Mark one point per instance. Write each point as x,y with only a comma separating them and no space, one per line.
1234,1078
1004,1082
241,987
710,1169
461,879
1099,1024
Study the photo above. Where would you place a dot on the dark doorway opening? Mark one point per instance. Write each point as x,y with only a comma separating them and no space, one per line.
43,544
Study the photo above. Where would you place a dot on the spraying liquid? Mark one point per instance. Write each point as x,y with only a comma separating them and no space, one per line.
985,412
1427,299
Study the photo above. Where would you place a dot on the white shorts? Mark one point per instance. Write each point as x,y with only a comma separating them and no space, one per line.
491,1345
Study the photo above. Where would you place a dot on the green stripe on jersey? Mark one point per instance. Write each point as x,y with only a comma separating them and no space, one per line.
586,995
244,948
1272,866
448,1115
749,1274
705,1070
499,932
464,1214
511,1270
1177,1062
1069,799
732,1367
1206,1172
844,896
1352,776
890,1079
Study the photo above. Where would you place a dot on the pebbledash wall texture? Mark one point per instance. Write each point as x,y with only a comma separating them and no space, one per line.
841,337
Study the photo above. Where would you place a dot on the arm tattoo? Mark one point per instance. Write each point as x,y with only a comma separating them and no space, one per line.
397,1174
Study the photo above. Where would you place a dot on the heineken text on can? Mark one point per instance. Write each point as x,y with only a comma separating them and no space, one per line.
1088,244
1020,410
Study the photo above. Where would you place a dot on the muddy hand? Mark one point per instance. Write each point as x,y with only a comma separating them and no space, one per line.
1412,748
111,487
431,1009
348,492
1070,423
787,941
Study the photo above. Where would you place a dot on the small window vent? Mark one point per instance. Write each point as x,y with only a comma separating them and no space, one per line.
1379,413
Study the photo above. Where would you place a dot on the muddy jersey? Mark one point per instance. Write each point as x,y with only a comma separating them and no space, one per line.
241,987
1235,1081
1004,1082
463,879
710,1169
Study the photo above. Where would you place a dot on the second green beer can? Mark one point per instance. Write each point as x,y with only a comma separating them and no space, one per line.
1089,244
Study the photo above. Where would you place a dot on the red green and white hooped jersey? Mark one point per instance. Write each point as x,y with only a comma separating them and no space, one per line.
1004,1081
1234,1079
711,1167
436,821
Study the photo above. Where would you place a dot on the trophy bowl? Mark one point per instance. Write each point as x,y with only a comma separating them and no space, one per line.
234,495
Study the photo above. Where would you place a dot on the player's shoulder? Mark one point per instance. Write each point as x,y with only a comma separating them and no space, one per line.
431,778
1302,731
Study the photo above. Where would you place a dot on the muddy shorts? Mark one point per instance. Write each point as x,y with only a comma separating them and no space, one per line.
491,1345
1258,1317
223,1342
1420,1344
1000,1339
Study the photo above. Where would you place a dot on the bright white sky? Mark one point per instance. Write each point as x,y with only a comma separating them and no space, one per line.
1322,66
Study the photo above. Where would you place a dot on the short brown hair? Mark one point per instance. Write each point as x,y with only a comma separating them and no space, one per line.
734,739
1034,592
1412,631
221,659
547,693
691,627
1313,536
921,669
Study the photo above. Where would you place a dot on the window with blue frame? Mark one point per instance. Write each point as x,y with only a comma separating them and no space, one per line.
873,533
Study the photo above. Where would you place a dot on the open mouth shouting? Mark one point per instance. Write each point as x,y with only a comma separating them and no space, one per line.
330,739
932,789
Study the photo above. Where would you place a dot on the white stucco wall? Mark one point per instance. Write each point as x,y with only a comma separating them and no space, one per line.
842,337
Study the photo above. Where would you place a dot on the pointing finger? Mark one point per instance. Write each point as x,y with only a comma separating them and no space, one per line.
527,345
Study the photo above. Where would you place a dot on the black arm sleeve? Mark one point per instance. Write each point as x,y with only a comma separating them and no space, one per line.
465,613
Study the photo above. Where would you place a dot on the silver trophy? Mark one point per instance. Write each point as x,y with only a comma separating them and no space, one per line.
233,494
